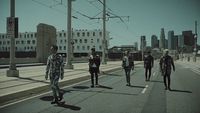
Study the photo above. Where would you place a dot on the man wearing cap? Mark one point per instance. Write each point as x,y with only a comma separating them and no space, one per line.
148,65
166,63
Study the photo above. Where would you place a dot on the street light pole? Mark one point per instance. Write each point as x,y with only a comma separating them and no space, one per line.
195,42
104,33
12,72
69,33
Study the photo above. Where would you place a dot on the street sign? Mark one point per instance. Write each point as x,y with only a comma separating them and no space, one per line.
12,27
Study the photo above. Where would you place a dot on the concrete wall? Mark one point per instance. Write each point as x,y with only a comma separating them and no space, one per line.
46,36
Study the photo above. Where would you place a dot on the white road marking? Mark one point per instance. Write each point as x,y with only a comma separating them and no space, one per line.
47,92
144,90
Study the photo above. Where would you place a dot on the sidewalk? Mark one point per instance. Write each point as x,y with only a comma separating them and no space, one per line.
32,81
194,66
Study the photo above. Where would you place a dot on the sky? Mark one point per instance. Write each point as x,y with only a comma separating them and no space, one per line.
146,17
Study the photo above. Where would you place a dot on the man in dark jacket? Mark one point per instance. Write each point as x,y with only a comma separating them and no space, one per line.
94,64
166,63
148,65
128,64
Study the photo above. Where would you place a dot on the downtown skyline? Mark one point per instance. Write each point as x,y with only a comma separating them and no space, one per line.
145,18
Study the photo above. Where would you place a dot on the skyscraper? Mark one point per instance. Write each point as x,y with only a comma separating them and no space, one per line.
180,41
143,43
154,41
188,38
171,40
136,45
162,39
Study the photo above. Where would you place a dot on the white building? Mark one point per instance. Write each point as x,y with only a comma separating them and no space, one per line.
83,41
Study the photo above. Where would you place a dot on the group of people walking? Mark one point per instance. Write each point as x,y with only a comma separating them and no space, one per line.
166,64
55,69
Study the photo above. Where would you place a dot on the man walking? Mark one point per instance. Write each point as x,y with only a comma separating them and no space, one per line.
128,64
148,65
55,71
167,62
94,64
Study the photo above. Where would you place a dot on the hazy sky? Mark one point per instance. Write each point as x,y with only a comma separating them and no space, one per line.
147,17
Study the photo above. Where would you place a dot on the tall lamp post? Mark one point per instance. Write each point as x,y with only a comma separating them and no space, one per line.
69,34
195,42
12,32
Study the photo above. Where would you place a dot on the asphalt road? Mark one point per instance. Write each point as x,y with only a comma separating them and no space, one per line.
113,96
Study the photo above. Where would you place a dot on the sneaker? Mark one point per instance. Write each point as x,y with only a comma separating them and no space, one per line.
92,86
60,96
54,102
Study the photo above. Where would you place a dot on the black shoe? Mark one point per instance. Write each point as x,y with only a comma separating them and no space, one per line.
54,102
165,88
92,86
60,96
169,88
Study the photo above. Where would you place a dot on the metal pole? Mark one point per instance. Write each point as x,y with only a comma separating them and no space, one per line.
104,33
12,72
195,42
69,45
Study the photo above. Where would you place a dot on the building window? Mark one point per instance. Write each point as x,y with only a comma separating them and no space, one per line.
8,42
2,36
20,36
64,34
100,33
17,42
31,48
97,40
83,34
65,41
0,42
60,47
76,40
27,35
64,47
35,34
78,34
91,40
78,47
22,42
83,47
88,34
24,35
88,47
85,40
28,42
28,48
93,33
24,48
80,40
100,47
33,41
4,42
60,34
31,35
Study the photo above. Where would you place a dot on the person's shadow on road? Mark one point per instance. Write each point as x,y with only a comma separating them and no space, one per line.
61,104
181,91
67,106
